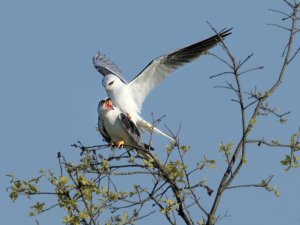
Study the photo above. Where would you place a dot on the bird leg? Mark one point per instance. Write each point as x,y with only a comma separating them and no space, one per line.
112,144
120,144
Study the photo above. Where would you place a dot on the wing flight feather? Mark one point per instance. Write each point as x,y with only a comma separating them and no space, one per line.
102,130
161,67
105,66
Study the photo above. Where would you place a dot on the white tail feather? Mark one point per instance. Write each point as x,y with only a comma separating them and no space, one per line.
144,125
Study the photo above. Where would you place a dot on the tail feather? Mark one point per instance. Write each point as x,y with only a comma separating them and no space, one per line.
144,125
148,147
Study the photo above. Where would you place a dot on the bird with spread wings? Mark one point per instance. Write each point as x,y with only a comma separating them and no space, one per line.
129,97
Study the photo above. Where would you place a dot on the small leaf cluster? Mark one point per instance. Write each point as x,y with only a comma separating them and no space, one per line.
292,160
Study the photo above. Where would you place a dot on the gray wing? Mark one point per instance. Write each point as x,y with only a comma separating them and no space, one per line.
105,66
133,131
103,131
131,128
160,68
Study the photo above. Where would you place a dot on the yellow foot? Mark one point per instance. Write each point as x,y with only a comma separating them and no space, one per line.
129,116
120,144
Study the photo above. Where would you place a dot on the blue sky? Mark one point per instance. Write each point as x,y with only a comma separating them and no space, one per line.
49,90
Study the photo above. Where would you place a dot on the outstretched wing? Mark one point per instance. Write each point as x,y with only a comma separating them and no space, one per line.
160,68
102,130
105,66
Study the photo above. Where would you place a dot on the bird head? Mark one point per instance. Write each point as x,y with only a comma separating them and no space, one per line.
111,82
105,105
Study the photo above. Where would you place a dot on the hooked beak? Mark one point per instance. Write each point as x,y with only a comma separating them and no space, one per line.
108,105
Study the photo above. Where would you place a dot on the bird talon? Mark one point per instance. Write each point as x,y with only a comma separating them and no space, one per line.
120,144
112,144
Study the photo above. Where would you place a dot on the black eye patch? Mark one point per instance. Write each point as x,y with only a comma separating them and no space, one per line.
110,83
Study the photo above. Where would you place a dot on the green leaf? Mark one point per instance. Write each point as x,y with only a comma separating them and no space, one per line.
124,218
14,195
267,93
184,148
83,215
63,180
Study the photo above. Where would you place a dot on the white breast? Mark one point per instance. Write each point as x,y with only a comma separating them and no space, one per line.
123,99
115,128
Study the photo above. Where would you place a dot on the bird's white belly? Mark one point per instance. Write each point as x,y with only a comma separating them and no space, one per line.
112,126
115,128
123,99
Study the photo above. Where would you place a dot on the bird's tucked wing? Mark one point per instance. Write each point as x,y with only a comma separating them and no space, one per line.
105,66
131,128
102,130
134,132
160,68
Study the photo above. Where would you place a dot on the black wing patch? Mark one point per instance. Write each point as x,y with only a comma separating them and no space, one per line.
130,127
133,131
103,131
189,53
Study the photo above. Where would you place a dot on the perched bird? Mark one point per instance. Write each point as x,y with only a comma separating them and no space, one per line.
117,129
129,97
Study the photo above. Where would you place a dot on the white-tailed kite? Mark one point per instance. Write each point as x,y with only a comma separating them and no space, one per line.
129,97
117,129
